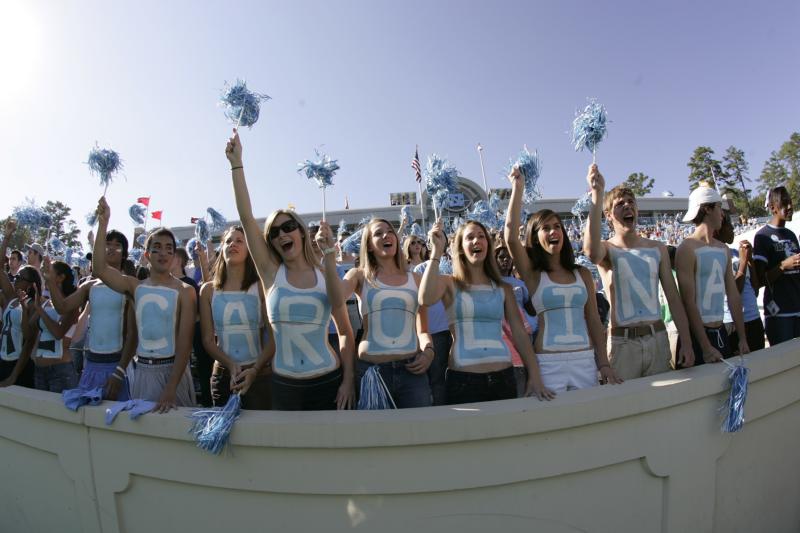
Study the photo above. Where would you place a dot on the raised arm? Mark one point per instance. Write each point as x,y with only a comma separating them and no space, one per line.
5,283
333,284
433,287
593,245
112,277
511,228
62,304
201,252
266,266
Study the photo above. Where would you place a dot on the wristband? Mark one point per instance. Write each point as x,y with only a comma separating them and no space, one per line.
436,259
236,168
122,370
327,251
117,377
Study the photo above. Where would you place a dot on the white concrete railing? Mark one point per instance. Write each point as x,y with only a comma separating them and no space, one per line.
644,456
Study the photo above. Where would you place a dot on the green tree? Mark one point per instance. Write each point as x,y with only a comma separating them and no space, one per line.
641,184
783,168
62,227
734,179
703,167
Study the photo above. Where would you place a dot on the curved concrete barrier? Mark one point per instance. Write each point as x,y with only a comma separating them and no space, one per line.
644,456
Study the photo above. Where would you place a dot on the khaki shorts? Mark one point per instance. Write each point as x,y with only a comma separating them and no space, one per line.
640,356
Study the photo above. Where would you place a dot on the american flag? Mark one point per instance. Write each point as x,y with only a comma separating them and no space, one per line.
415,165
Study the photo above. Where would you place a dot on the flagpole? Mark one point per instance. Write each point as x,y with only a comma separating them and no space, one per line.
423,210
483,171
146,212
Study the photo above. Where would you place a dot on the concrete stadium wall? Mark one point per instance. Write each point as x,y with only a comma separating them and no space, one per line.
644,456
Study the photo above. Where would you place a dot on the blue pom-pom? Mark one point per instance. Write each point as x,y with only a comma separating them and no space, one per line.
440,175
57,246
241,105
32,216
322,170
440,198
589,126
352,244
416,231
406,216
201,232
734,406
91,218
582,205
212,427
137,213
136,255
105,163
530,166
218,221
68,256
141,239
373,393
342,229
445,266
483,213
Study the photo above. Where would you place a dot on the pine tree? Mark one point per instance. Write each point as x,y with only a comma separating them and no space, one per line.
735,169
703,167
783,168
640,183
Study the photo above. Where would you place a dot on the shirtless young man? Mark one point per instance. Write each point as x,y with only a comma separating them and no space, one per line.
632,267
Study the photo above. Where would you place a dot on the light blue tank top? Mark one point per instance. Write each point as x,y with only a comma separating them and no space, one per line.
299,318
11,335
635,274
392,317
476,316
48,346
106,318
156,316
710,282
562,307
237,323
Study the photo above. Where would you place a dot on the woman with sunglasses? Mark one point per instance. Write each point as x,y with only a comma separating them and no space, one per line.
307,373
477,301
232,322
16,336
395,327
414,251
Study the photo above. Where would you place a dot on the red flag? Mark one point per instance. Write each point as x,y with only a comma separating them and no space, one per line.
194,220
144,200
156,214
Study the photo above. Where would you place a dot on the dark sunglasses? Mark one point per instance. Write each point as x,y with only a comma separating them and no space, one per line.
287,227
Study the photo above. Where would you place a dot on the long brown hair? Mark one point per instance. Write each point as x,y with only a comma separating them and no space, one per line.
536,254
221,267
367,261
461,273
308,252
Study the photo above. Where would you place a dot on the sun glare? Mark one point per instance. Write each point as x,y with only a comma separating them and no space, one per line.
20,46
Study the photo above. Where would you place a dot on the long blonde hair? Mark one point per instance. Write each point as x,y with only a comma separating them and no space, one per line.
366,258
461,272
308,252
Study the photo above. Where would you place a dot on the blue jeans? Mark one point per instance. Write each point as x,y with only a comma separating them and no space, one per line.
55,378
782,328
442,342
407,389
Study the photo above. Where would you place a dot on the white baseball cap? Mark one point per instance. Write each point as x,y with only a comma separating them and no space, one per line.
700,196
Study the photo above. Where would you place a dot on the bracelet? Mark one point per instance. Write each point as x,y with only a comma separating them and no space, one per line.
117,377
236,168
327,251
436,259
122,370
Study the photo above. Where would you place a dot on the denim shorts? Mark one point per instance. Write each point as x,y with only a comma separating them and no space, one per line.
55,378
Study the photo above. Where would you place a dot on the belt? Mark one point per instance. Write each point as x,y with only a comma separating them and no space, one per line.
638,331
154,361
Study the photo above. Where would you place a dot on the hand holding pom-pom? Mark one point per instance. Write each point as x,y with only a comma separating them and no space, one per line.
436,236
10,228
515,175
233,151
324,236
103,210
595,179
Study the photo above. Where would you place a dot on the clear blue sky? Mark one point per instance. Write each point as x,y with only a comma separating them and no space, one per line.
367,80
